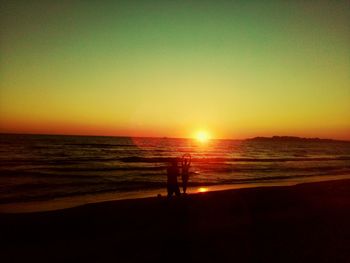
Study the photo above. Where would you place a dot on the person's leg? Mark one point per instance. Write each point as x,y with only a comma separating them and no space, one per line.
170,191
177,191
184,184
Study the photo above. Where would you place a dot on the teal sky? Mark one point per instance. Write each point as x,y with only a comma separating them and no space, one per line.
170,68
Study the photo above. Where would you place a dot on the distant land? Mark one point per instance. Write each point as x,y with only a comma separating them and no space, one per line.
257,139
291,139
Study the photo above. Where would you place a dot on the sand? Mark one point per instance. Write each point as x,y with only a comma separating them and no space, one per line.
302,223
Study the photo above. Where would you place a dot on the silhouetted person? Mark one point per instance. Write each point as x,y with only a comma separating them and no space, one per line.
185,167
173,173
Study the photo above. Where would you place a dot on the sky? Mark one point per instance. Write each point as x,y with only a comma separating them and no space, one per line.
233,69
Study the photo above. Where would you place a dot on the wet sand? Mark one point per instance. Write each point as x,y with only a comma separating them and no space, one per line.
302,223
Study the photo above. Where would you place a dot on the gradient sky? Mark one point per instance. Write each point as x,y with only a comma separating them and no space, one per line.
170,68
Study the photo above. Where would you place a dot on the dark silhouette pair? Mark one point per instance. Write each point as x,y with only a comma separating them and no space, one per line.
173,171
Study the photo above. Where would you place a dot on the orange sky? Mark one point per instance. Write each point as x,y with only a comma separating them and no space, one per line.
120,68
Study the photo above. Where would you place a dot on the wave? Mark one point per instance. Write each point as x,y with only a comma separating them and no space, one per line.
101,145
137,159
153,172
44,191
164,160
56,161
116,168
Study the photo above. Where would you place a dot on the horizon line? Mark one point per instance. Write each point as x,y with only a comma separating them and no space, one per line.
165,137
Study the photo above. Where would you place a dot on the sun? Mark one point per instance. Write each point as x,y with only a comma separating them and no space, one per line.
202,136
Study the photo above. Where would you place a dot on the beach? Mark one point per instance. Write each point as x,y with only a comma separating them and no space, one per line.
301,223
175,131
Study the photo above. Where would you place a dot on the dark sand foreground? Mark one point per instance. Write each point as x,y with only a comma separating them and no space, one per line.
303,223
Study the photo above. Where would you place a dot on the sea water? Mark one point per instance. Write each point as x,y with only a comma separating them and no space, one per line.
47,167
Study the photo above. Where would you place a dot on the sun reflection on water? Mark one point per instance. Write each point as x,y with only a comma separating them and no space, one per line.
202,189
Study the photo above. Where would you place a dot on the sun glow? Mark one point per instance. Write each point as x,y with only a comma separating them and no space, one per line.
202,136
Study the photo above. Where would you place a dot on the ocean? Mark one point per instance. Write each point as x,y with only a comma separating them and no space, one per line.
47,167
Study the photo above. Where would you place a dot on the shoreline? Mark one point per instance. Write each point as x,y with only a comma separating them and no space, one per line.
81,200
